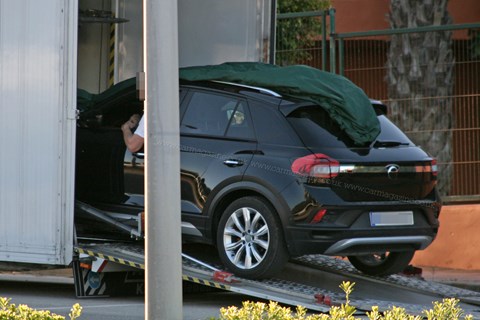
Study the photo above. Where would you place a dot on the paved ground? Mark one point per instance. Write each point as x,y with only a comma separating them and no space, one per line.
467,279
58,296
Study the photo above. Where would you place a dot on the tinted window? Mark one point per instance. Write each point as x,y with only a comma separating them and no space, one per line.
240,125
315,128
271,126
216,115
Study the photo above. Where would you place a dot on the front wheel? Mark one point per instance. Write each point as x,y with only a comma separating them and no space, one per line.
250,239
382,264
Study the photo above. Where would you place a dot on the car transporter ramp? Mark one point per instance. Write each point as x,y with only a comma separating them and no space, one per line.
109,268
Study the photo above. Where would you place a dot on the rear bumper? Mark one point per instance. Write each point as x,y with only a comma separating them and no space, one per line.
346,229
351,241
345,246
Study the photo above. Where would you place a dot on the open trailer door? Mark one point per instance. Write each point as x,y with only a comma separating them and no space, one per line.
38,48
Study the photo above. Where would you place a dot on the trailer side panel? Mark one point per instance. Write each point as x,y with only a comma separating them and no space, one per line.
38,86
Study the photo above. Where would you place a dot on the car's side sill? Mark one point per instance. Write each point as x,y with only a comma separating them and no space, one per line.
189,229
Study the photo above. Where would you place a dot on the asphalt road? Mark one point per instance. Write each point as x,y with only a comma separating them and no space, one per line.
59,298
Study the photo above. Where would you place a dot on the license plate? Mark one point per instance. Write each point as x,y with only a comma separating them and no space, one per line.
391,218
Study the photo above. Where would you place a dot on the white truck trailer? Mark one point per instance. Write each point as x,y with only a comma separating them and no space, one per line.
38,83
48,49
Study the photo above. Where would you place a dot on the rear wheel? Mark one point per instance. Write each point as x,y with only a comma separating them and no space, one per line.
382,264
250,239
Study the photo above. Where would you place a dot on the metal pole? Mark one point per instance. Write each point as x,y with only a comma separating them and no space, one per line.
341,56
163,296
324,40
332,41
273,32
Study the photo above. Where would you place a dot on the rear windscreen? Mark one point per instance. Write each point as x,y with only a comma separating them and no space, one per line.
316,129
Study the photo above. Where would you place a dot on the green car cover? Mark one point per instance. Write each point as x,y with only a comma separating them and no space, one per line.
345,102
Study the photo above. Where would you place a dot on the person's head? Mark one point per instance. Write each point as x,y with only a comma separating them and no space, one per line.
238,117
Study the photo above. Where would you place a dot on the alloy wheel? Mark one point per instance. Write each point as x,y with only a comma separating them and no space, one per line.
246,238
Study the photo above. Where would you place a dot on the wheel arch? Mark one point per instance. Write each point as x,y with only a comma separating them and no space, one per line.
243,189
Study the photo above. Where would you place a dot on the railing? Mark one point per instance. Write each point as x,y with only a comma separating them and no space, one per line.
301,38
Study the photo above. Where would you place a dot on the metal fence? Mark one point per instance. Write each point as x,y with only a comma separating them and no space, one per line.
444,118
300,38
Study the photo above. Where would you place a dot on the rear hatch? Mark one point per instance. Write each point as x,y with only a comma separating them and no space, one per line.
390,168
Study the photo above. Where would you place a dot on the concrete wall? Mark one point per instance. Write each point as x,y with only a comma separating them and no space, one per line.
457,245
365,15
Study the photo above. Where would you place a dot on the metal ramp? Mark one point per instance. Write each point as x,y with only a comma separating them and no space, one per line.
328,264
275,290
314,297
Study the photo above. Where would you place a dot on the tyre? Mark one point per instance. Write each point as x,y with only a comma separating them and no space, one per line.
382,264
250,239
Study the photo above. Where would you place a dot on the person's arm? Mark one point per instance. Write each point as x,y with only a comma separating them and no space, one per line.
133,141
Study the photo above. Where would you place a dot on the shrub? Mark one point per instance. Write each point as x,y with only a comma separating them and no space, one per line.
9,311
448,309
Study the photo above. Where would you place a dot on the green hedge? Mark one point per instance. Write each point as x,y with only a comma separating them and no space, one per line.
9,311
446,310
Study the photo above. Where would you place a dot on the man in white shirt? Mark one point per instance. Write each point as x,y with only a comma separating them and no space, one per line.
134,140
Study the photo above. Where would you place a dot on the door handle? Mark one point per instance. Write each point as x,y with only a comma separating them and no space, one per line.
233,163
139,155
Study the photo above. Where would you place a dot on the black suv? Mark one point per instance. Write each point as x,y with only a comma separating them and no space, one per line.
265,178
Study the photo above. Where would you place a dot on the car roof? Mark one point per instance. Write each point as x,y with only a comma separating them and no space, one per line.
261,93
288,105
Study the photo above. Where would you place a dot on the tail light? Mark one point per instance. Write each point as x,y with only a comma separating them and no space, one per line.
431,167
316,165
318,216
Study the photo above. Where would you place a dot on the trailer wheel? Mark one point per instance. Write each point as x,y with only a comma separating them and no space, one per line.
250,239
382,264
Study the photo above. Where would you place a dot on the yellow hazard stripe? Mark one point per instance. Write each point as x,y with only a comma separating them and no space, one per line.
142,266
111,55
111,258
206,282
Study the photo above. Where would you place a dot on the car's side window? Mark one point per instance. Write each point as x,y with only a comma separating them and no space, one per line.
203,114
240,124
271,127
216,115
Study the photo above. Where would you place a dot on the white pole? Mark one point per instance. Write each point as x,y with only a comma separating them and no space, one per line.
163,283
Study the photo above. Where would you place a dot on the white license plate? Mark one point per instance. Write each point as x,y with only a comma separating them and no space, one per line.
391,218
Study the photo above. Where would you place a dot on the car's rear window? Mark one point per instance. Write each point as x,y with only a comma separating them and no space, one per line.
317,129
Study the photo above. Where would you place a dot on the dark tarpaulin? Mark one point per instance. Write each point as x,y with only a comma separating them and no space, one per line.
123,92
346,103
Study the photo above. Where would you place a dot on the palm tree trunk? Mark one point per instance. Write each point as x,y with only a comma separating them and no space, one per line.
420,69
